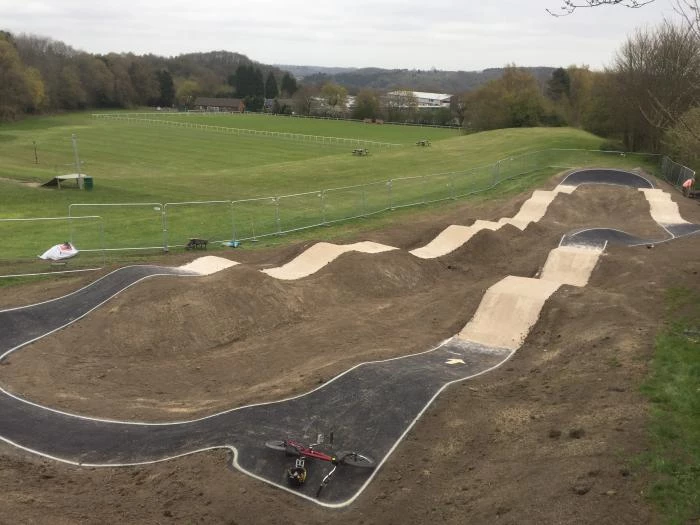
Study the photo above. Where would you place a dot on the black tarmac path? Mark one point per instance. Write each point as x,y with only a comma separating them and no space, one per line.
369,408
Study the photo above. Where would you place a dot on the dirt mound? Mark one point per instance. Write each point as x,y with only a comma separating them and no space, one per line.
187,314
389,274
593,206
489,252
562,418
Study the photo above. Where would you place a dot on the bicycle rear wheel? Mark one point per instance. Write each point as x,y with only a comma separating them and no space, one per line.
353,459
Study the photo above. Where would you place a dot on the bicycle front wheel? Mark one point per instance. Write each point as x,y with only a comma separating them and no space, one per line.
353,459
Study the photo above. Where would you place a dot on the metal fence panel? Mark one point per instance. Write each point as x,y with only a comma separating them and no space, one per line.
675,173
409,191
300,211
127,226
25,239
438,187
344,203
377,197
211,220
253,218
471,181
134,226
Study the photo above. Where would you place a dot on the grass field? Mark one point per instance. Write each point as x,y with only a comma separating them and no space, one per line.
311,182
674,454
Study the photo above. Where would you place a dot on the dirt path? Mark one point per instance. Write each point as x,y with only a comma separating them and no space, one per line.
543,439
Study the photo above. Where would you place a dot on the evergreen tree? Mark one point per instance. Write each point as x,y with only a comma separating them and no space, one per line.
167,88
289,85
559,85
271,90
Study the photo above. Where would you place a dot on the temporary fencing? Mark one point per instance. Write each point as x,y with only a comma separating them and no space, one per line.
41,233
149,226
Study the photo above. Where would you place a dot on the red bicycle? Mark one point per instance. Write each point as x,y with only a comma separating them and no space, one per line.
297,474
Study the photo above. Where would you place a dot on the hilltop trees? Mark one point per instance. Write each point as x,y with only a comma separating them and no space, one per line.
271,90
367,105
41,74
21,88
653,83
334,95
289,85
514,100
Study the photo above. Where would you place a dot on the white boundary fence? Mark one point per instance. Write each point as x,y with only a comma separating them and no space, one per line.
151,226
299,137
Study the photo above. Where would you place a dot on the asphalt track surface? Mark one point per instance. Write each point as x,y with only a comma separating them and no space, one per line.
369,408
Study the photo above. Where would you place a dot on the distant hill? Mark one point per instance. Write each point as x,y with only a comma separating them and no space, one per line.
433,81
301,72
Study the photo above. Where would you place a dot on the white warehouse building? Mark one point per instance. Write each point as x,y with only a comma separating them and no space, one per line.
423,99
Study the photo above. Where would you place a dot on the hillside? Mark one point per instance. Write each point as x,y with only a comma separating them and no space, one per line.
418,80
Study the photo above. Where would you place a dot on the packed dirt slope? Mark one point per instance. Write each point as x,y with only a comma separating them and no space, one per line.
544,439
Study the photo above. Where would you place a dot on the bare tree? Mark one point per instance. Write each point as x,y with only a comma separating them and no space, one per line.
670,58
569,6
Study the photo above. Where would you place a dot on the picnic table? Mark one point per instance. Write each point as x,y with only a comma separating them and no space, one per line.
360,151
423,142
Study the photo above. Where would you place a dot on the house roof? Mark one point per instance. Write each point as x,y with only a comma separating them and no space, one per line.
218,102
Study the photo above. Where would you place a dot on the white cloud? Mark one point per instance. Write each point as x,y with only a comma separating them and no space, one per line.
382,33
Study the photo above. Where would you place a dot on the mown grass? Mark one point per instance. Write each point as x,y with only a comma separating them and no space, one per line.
156,164
390,133
674,392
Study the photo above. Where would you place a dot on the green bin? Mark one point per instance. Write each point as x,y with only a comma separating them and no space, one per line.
87,183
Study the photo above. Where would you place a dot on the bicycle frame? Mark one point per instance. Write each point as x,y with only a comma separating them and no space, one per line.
304,452
309,451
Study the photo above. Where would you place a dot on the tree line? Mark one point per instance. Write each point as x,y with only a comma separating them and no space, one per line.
648,99
42,75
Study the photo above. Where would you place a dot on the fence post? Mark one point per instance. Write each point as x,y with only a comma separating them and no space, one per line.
390,185
277,214
164,222
233,223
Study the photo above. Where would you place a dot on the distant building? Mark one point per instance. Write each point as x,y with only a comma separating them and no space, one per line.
279,105
422,99
219,104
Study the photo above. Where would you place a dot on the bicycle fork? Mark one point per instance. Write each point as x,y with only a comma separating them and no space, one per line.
326,479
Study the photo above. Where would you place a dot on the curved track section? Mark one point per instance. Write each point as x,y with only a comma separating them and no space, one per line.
370,408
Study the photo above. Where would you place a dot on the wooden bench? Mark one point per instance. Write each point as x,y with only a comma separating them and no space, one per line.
196,243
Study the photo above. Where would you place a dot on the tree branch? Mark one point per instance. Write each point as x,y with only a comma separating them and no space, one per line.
569,6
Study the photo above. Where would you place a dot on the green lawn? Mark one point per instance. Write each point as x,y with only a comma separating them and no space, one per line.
674,392
304,183
389,133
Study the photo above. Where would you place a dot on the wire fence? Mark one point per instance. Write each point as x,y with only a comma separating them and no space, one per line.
164,226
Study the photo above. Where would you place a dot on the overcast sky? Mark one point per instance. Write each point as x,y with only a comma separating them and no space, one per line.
443,34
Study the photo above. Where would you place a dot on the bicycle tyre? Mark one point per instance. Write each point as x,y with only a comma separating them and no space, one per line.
354,459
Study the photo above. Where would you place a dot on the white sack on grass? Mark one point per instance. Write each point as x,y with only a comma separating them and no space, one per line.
59,252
